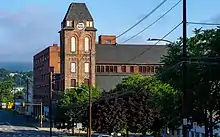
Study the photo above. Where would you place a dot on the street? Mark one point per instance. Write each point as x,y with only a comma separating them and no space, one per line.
14,125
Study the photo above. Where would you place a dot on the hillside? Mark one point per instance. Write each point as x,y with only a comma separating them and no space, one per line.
17,77
16,66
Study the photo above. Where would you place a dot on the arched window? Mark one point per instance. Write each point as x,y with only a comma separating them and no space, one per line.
86,44
73,44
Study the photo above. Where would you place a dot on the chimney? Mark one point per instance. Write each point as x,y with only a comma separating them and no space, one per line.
55,45
107,39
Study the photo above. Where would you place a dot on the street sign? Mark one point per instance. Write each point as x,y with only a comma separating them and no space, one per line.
17,103
79,125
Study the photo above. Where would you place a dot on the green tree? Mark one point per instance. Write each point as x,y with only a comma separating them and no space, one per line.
202,73
73,106
137,104
6,88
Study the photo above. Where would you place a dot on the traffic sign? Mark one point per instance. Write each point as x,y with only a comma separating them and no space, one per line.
17,103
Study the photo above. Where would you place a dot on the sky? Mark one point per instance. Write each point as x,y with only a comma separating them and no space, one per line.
28,26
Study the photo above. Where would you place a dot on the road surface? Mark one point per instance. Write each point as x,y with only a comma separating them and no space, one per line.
14,125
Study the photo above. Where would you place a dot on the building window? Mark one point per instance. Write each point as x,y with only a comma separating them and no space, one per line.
140,69
111,69
86,67
148,69
86,44
152,69
144,69
131,69
73,67
73,82
86,82
97,68
115,69
123,68
90,24
87,23
102,69
107,69
68,23
73,44
107,42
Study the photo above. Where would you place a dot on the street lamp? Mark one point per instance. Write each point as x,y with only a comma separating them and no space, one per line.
155,39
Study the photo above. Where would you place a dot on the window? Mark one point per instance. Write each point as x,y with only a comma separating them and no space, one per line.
73,67
86,82
111,69
123,68
108,42
86,67
90,24
73,44
140,69
68,23
86,44
152,69
144,69
148,69
97,68
131,69
115,69
87,24
107,69
102,69
73,82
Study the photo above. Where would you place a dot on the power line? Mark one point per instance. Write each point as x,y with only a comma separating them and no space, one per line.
155,43
204,23
142,18
153,22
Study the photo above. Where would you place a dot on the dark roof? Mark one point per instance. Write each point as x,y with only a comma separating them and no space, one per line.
130,54
78,11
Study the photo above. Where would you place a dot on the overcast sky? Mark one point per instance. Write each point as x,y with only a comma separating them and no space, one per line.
28,26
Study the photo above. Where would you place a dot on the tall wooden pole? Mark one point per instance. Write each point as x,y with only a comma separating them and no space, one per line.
184,98
90,93
50,100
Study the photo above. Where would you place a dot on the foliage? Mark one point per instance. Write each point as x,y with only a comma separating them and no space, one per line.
6,88
202,72
19,94
138,104
73,106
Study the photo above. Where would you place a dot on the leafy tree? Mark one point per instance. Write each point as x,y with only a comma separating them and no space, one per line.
73,106
137,104
6,88
202,73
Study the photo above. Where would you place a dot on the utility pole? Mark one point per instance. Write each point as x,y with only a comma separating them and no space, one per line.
27,95
90,93
41,115
50,100
185,90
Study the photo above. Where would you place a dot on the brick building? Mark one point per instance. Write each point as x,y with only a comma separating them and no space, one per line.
110,61
43,62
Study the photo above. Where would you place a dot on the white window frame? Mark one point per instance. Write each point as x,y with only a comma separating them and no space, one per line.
91,23
86,44
86,67
73,67
68,23
73,44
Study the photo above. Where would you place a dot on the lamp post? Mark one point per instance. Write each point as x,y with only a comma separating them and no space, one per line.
155,39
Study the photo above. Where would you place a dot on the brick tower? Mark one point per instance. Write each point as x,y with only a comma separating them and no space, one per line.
77,39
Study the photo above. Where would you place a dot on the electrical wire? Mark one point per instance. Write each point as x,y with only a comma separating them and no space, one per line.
142,19
153,22
155,43
204,23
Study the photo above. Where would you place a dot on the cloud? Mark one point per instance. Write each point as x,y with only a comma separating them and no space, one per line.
25,33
